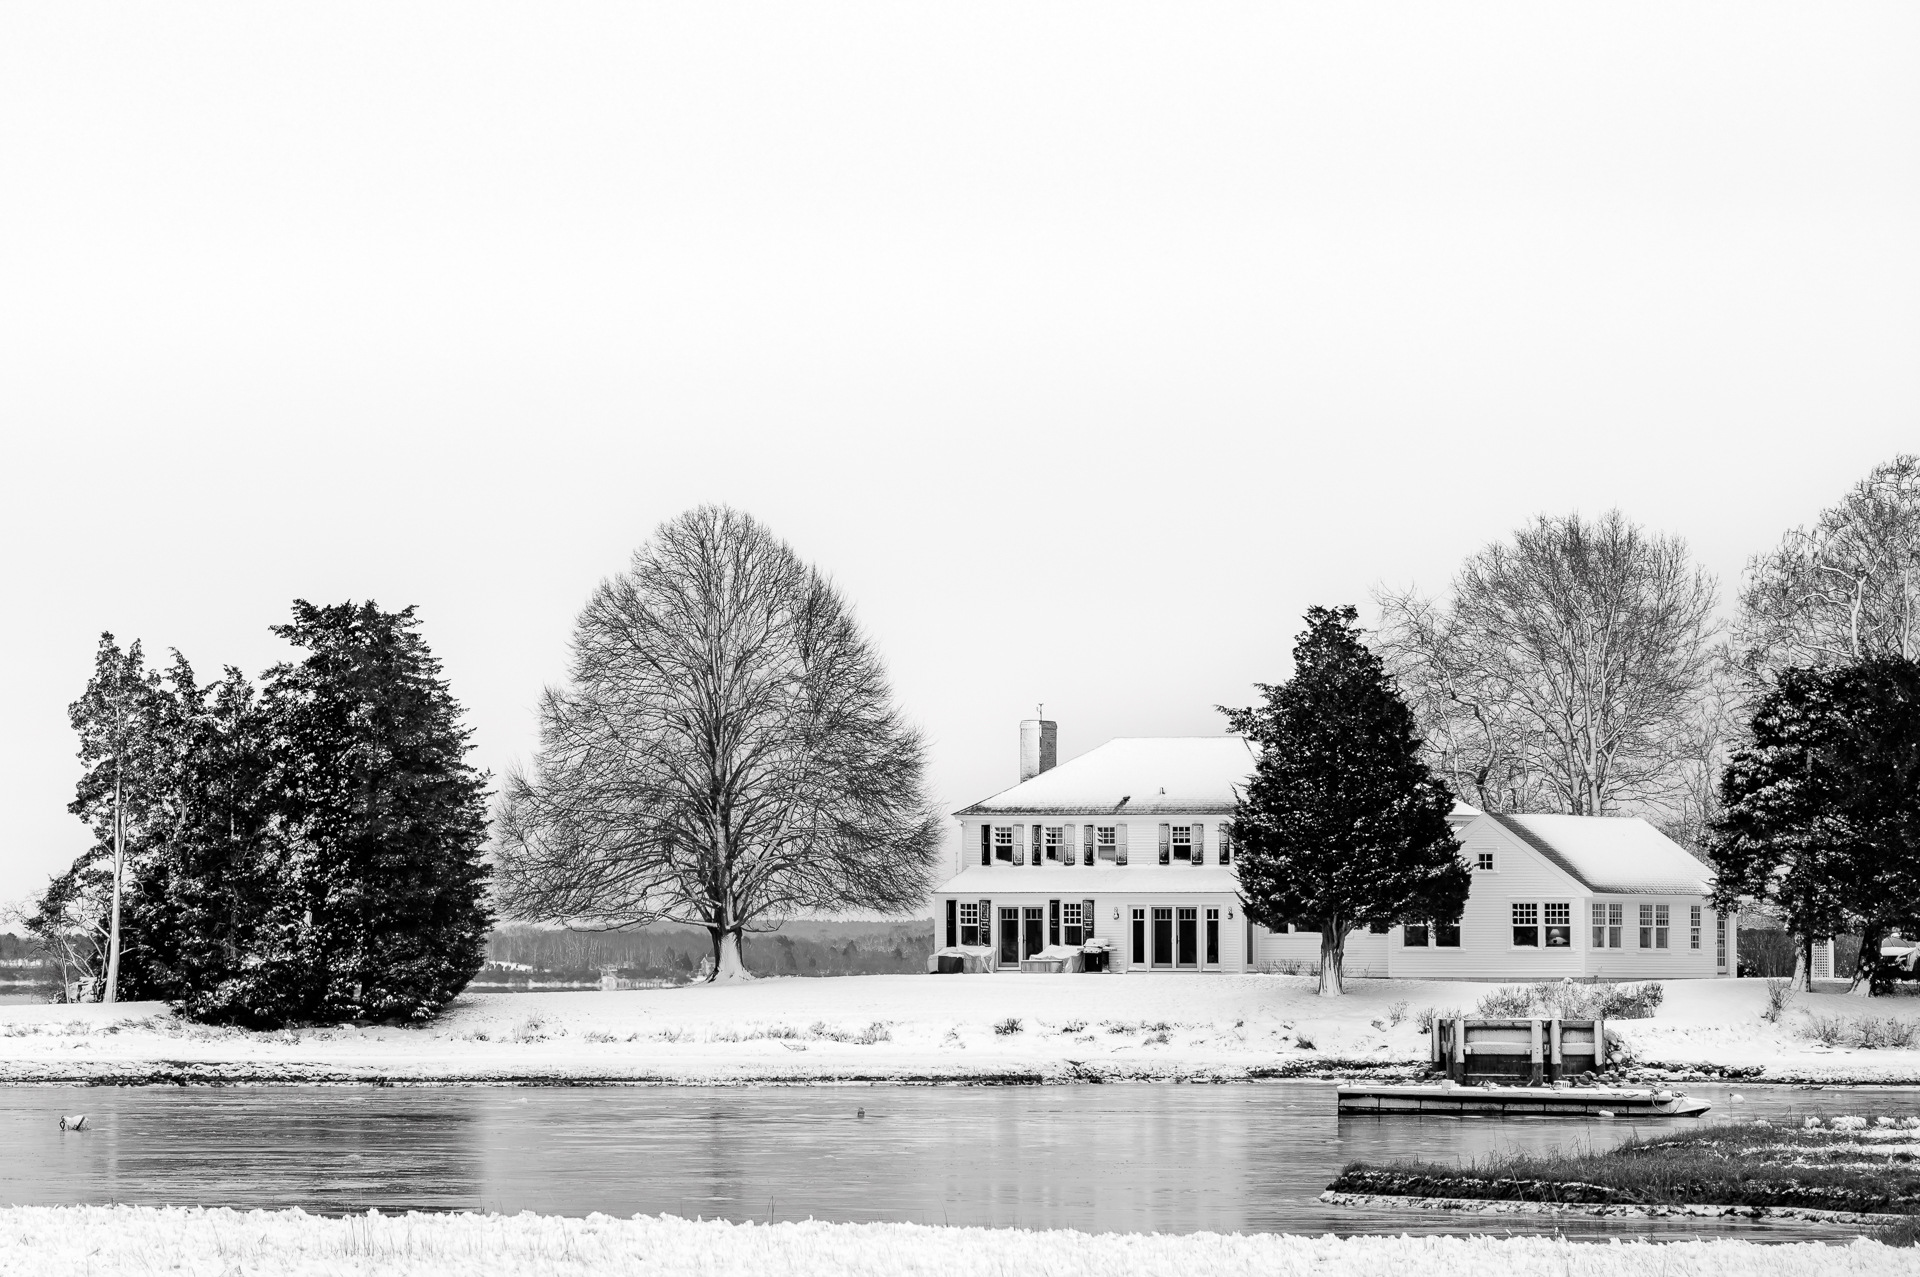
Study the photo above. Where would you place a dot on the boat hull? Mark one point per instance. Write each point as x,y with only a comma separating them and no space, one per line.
1503,1101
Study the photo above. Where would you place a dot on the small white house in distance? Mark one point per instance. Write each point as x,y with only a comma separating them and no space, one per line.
1128,849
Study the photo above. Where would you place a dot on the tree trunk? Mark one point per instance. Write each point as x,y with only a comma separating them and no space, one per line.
112,991
1333,954
1862,986
730,967
1802,965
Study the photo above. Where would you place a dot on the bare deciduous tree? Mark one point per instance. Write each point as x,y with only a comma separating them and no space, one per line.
1843,591
725,753
1567,671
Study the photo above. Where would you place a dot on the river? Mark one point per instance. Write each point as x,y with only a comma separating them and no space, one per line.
1115,1158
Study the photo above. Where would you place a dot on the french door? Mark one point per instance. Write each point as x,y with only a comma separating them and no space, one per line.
1036,919
1162,937
1009,937
1186,938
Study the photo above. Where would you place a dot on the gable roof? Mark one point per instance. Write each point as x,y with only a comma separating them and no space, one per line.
1622,855
1135,774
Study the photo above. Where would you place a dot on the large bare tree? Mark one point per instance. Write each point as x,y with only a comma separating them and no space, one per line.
725,753
1568,671
1845,590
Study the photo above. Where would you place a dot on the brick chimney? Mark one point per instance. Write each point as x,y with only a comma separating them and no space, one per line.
1039,746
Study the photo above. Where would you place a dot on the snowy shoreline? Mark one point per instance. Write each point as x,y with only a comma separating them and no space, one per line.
978,1030
55,1241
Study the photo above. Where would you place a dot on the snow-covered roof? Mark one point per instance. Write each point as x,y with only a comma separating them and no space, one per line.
1620,854
1070,882
1148,774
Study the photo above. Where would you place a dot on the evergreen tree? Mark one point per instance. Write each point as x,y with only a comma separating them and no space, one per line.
1342,824
378,907
1821,815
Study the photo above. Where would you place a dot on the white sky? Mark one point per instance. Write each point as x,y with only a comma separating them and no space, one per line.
1086,345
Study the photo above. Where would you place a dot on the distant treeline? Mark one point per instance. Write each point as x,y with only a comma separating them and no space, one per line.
666,952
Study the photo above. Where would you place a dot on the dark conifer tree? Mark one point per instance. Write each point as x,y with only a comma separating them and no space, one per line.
1342,824
1821,815
379,907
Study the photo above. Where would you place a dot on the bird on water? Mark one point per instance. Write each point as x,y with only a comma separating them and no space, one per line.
77,1122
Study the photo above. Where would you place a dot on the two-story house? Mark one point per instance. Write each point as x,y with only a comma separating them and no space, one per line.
1132,842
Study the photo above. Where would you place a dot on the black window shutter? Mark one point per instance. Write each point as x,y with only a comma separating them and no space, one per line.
986,844
1053,922
1086,919
953,923
1166,844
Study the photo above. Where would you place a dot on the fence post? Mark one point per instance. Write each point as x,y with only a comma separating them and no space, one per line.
1599,1045
1533,1053
1557,1063
1459,1049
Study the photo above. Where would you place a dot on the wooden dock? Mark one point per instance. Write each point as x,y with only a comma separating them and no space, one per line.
1517,1101
1516,1051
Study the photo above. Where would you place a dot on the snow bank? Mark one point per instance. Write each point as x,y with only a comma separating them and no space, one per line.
57,1241
918,1027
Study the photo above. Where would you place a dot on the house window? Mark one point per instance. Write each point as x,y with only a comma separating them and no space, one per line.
1557,916
1720,941
1526,926
1003,843
1414,935
1653,926
1056,838
1183,842
1446,935
1609,921
1070,932
1377,928
970,923
1693,927
1103,842
1484,861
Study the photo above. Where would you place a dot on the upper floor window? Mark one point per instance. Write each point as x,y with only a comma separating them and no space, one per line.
1104,842
1484,861
1056,838
1003,843
1183,842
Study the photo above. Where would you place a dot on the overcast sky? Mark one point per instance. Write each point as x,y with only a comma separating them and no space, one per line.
1084,345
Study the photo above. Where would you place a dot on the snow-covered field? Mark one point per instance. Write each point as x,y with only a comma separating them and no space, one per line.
57,1241
1012,1027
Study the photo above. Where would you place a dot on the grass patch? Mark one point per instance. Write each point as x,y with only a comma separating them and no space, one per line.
1847,1165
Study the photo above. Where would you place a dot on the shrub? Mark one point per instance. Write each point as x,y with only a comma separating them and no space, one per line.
1007,1027
1511,1000
1074,1026
1779,998
1889,1034
1426,1019
875,1032
1397,1012
1828,1030
1631,1001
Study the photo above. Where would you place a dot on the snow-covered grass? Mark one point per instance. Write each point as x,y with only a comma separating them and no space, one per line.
63,1241
1007,1027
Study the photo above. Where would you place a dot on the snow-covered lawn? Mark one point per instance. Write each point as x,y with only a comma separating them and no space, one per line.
1029,1027
62,1240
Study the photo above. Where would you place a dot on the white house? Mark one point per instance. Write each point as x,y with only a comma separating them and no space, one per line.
1130,844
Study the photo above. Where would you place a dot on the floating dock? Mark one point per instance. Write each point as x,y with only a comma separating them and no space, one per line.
1500,1101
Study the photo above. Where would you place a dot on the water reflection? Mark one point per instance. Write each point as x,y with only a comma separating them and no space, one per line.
1101,1158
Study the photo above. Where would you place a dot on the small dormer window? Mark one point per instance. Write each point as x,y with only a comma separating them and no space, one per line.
1003,843
1484,862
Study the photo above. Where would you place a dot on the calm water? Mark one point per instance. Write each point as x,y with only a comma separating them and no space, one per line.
1132,1158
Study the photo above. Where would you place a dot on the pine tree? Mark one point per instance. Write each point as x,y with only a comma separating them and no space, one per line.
1342,825
1821,815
